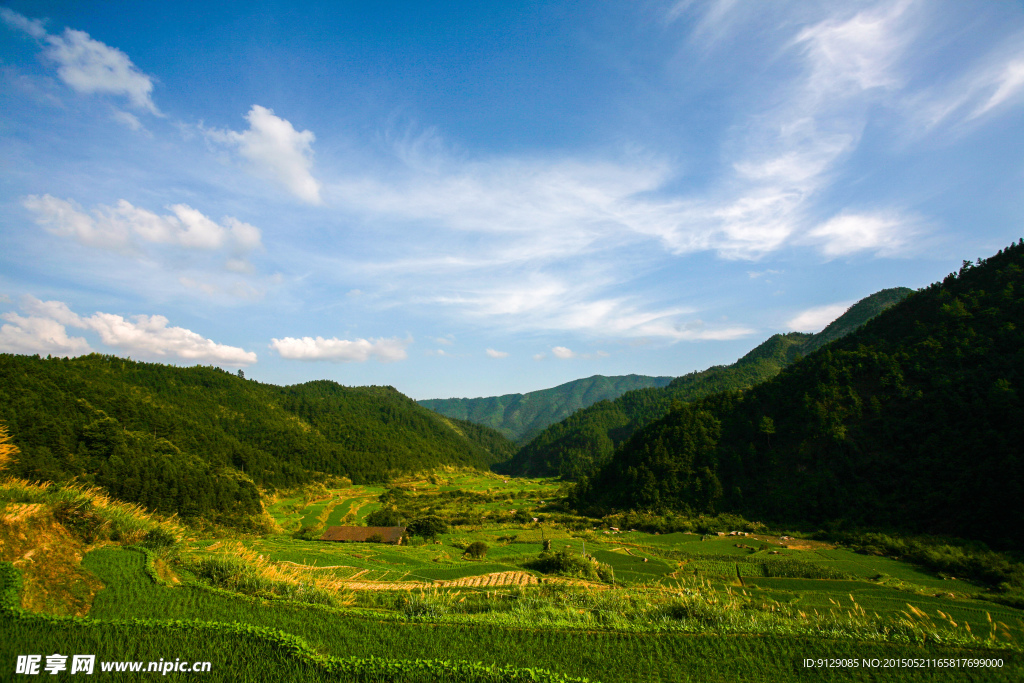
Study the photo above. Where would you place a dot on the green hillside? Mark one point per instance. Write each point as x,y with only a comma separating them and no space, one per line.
520,417
198,441
911,422
574,447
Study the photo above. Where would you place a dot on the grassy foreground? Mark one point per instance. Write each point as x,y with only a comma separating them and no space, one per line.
683,607
306,643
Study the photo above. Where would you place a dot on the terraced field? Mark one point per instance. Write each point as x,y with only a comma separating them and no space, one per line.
607,656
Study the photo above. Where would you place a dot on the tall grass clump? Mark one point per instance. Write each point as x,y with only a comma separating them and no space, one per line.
565,563
241,570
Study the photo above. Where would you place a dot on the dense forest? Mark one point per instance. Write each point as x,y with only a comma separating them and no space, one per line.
576,446
199,441
520,417
913,422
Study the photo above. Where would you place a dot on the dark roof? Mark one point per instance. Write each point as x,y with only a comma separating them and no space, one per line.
389,534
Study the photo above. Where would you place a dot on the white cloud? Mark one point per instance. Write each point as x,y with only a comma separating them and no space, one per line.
497,354
562,352
551,243
849,233
33,27
817,318
130,121
44,331
1008,83
88,65
755,274
994,83
119,227
66,219
33,334
275,149
539,356
150,336
341,350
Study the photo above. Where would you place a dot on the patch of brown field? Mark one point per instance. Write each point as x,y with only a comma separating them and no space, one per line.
386,585
580,583
793,543
49,559
494,579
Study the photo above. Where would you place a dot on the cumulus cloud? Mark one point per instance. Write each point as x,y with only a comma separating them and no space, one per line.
341,350
123,226
88,65
817,318
34,334
149,335
497,354
276,150
44,330
562,352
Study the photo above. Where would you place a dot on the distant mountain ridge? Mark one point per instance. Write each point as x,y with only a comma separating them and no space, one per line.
574,447
520,417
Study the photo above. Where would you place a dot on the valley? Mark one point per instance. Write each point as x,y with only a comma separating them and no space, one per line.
836,501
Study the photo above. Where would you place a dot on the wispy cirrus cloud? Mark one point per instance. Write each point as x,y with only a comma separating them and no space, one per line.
848,233
992,84
44,330
87,65
503,238
817,318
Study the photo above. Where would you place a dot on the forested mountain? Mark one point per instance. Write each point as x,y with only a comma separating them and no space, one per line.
198,440
576,446
520,417
914,421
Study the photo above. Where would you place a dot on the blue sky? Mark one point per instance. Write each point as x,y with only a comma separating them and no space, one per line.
470,199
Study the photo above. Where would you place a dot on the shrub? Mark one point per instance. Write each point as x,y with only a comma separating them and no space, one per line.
564,563
386,516
159,537
429,527
78,517
477,550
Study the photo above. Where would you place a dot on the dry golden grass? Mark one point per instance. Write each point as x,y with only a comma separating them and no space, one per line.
495,579
49,559
7,449
285,572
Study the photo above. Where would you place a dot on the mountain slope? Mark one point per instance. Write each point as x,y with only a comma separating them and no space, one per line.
913,421
522,416
198,441
574,447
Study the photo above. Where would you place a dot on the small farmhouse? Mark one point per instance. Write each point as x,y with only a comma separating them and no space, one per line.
362,534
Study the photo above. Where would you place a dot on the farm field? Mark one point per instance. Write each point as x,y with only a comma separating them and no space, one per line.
676,606
617,656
